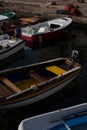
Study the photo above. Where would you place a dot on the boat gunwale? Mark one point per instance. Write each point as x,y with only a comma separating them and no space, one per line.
73,72
62,114
47,32
44,83
24,99
11,47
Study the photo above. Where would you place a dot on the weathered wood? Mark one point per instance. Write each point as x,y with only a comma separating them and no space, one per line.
30,20
36,76
10,84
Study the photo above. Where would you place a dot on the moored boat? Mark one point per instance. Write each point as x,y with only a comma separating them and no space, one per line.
70,118
6,16
38,35
31,20
28,84
9,14
10,26
9,48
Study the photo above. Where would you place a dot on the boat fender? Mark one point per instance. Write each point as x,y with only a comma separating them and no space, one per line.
73,10
68,7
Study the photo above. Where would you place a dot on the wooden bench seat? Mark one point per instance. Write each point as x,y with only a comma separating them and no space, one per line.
36,76
12,86
56,70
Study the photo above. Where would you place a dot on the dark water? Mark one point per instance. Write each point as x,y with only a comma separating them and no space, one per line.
74,93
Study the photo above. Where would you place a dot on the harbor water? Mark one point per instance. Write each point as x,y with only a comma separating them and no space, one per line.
74,93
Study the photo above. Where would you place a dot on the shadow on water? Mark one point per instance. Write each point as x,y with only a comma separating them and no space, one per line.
74,93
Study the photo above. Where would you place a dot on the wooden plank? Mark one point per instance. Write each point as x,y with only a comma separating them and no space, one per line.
10,84
36,76
56,70
31,19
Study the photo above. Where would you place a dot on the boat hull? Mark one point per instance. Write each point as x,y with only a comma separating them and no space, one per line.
39,97
42,40
32,83
66,118
11,54
45,33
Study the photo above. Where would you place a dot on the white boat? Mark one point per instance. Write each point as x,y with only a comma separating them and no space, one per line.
43,33
4,37
70,118
6,16
9,48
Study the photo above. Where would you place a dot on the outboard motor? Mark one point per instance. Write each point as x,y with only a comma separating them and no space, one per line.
74,55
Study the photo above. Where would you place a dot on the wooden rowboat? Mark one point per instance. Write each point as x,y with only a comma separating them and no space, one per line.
31,83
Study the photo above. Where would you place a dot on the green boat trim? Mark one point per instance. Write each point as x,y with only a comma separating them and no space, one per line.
9,14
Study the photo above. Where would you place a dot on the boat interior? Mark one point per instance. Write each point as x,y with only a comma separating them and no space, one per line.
4,44
76,122
17,81
43,27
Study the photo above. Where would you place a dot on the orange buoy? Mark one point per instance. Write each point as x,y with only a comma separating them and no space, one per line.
73,10
68,7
